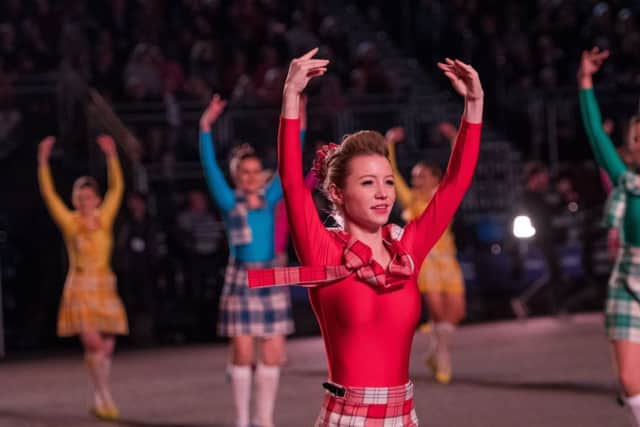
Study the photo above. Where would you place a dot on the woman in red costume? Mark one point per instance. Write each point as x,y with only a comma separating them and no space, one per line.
363,275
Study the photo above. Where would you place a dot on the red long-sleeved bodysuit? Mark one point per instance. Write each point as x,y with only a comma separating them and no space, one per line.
368,333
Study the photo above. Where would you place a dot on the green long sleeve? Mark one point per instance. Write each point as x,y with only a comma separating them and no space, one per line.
608,158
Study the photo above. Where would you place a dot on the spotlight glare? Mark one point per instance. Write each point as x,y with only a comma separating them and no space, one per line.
522,228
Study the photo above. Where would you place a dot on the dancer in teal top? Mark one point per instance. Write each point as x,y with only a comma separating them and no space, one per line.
245,314
622,210
260,219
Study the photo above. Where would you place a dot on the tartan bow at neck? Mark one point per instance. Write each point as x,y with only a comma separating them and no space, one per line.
357,258
240,232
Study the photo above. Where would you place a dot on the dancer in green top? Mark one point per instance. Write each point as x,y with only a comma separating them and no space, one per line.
623,210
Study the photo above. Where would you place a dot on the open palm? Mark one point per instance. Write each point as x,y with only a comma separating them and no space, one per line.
303,69
463,77
214,109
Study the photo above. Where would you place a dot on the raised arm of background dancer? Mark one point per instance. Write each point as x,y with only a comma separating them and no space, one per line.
58,210
449,131
425,231
274,190
273,194
604,150
220,190
310,238
115,187
403,192
421,234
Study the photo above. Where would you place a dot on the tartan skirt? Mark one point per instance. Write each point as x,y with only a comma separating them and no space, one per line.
261,312
622,310
368,407
90,302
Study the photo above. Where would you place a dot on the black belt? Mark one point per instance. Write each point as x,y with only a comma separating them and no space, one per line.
336,390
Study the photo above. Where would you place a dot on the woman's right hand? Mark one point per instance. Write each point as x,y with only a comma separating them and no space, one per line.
590,63
302,70
44,149
211,114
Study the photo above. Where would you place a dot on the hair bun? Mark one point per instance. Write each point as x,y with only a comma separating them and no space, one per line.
319,167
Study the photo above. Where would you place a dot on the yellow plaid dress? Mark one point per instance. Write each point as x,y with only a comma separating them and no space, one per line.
90,301
440,270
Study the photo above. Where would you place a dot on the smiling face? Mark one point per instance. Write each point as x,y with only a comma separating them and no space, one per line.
368,193
249,175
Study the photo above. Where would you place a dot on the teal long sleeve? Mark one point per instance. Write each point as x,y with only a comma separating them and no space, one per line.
608,159
261,221
221,191
603,148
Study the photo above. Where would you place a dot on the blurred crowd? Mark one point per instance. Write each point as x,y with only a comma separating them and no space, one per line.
527,52
521,44
535,43
145,50
151,58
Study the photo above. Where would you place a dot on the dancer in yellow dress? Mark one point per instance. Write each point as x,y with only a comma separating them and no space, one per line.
440,279
90,306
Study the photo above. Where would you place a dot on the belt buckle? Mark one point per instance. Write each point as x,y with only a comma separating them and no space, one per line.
334,389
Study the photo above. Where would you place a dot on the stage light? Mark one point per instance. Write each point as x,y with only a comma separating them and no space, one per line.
522,227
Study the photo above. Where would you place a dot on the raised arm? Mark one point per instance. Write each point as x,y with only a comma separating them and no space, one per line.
603,149
273,193
310,238
218,186
421,234
403,192
115,188
58,210
281,229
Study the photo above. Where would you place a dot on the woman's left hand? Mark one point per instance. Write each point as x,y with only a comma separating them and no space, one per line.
464,79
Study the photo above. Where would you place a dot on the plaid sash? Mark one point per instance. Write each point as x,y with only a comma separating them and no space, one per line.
616,204
358,259
239,229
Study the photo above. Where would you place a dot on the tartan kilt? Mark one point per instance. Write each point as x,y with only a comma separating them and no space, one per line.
622,310
369,407
261,312
90,302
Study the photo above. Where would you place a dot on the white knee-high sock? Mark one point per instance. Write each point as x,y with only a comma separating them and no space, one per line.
106,374
443,331
95,363
266,384
633,403
241,386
